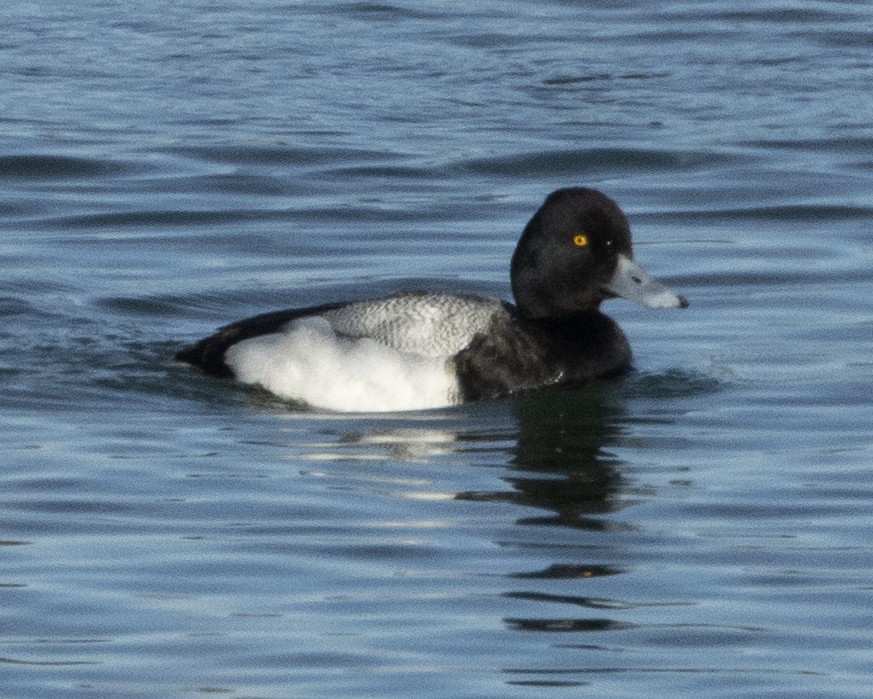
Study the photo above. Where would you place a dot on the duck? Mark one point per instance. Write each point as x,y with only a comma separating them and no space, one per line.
417,350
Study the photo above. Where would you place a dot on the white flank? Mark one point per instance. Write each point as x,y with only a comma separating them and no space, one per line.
308,362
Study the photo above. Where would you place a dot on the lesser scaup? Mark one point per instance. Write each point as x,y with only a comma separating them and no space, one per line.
414,350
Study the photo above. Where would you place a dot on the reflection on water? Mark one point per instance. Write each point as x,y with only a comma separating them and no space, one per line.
557,464
561,455
403,443
557,453
562,466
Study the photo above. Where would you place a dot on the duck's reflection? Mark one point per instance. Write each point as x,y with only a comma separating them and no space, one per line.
563,468
556,450
560,464
552,453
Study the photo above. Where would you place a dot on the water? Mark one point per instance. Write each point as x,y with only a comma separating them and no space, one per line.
699,528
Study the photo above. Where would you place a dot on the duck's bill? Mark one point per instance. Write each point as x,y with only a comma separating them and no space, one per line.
633,283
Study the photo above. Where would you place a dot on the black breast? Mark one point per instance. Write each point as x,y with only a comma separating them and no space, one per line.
519,354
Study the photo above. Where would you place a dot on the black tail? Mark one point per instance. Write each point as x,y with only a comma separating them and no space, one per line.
208,355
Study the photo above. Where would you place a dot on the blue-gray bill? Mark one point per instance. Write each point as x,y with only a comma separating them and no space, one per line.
633,283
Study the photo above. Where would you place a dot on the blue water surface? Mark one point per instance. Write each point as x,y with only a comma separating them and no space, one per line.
701,527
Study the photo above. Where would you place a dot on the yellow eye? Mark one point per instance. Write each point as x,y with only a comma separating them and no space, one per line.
580,241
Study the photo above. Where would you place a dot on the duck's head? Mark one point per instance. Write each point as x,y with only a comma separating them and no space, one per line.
575,252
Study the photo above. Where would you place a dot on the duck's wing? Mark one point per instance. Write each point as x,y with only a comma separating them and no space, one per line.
427,324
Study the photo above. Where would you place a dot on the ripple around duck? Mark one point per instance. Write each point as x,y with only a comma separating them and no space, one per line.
848,145
284,156
602,161
672,383
182,218
58,167
786,212
781,15
237,184
404,174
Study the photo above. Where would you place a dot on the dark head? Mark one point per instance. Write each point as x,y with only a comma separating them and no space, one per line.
574,253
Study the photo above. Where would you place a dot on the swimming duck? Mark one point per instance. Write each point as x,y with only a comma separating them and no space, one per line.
414,350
